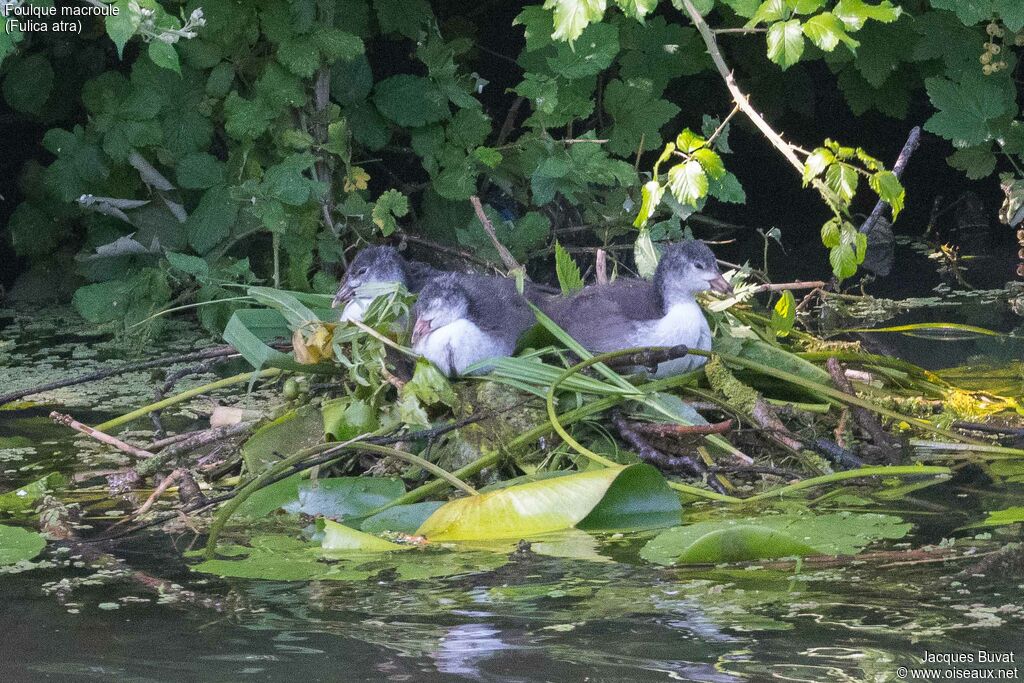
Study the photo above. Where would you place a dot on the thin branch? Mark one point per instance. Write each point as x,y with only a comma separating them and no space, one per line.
506,256
743,101
782,286
740,30
71,422
909,147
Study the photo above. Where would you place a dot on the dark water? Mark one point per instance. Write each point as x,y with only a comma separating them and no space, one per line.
532,619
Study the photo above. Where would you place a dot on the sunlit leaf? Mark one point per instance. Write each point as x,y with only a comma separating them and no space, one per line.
889,189
785,43
340,538
688,182
784,314
17,544
632,496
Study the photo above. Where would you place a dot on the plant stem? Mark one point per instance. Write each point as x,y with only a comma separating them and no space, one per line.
421,462
875,471
184,396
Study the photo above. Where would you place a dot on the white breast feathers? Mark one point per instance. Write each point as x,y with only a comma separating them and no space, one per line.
456,346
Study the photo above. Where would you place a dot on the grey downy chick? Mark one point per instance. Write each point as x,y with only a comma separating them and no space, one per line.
463,319
664,312
378,265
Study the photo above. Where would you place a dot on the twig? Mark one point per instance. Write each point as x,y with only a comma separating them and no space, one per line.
216,352
650,358
506,256
601,267
664,430
743,101
71,422
190,444
864,418
778,287
157,492
186,395
691,465
445,249
909,147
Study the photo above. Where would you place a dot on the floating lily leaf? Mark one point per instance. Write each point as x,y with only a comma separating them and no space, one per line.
612,498
338,537
336,497
276,557
1011,515
293,431
405,519
24,498
345,497
17,544
766,537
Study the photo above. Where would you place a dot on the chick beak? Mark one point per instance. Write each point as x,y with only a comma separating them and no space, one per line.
344,295
720,285
420,330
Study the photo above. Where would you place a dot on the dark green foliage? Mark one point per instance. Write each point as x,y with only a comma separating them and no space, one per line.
249,126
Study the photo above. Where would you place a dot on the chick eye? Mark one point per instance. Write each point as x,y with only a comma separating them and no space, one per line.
700,266
361,271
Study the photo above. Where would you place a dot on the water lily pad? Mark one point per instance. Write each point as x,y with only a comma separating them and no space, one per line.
277,557
340,538
293,431
757,538
17,544
335,497
609,498
405,519
24,498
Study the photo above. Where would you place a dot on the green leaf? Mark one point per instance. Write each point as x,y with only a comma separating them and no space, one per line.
488,156
688,182
645,254
299,55
711,162
571,17
977,162
889,189
429,386
245,119
24,498
637,9
650,194
346,418
165,56
122,26
344,497
390,205
405,519
817,162
221,78
199,171
854,13
635,497
249,330
18,545
727,189
785,43
293,431
340,538
410,100
406,17
830,233
188,264
772,536
967,109
568,272
591,54
28,84
336,44
211,222
842,179
1010,515
688,141
969,12
826,31
636,115
784,314
768,12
